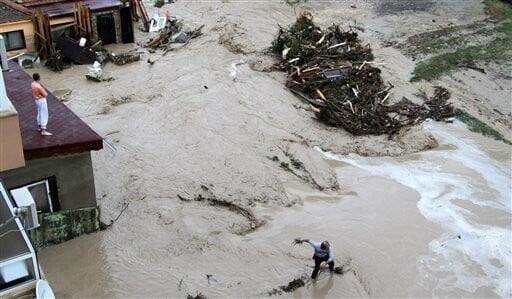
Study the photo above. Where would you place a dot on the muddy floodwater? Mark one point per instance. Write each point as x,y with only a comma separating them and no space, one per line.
435,223
194,184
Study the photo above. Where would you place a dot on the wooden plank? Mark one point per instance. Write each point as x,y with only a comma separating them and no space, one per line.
75,16
60,27
88,23
40,36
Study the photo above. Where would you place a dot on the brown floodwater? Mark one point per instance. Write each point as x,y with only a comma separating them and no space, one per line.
430,224
435,223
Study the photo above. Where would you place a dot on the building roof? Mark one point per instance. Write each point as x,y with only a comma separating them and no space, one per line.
65,7
11,12
70,134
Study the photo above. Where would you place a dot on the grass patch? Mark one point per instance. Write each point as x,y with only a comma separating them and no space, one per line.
498,50
443,64
475,125
499,10
434,41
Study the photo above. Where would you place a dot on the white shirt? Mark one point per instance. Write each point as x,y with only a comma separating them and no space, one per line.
322,252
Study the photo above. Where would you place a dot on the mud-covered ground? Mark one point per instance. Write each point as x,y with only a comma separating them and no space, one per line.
200,139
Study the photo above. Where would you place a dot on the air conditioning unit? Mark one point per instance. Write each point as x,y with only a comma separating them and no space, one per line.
26,208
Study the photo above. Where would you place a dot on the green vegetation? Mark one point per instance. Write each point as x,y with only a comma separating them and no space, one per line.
442,64
498,50
499,10
433,42
475,125
296,163
298,168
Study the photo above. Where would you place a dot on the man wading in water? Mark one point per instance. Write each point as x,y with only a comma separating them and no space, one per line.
323,255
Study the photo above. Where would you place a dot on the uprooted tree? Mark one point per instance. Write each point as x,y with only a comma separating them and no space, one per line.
335,73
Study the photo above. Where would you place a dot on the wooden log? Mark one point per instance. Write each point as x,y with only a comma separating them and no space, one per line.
337,45
320,94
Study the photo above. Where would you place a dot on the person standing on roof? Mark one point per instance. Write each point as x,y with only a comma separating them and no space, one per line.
40,94
323,255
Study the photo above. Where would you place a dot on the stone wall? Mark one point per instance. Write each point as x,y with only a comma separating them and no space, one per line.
117,22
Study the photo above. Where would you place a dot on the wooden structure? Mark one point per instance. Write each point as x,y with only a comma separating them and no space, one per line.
43,34
108,21
139,11
82,15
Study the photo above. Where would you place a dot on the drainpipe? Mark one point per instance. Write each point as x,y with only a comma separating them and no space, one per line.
3,54
4,103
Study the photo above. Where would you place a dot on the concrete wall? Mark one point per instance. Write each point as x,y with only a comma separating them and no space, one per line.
73,173
11,150
28,31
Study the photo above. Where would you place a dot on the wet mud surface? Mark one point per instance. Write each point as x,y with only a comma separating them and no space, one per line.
388,7
171,135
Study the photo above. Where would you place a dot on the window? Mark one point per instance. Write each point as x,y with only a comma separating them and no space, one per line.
14,40
41,191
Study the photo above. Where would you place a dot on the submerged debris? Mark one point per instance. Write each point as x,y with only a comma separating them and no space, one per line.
56,62
198,296
124,58
170,34
297,241
97,74
253,222
331,70
292,286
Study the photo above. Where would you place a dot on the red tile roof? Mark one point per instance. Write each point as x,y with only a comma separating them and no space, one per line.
70,134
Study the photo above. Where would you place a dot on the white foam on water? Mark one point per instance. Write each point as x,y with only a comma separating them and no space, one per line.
468,255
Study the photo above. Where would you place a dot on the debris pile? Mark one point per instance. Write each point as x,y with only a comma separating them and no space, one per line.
336,74
97,74
252,222
170,34
124,58
55,62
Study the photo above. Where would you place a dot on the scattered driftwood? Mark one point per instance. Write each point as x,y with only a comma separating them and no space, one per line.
254,222
331,70
104,226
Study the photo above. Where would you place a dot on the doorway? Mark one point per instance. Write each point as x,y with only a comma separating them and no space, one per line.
126,25
106,28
